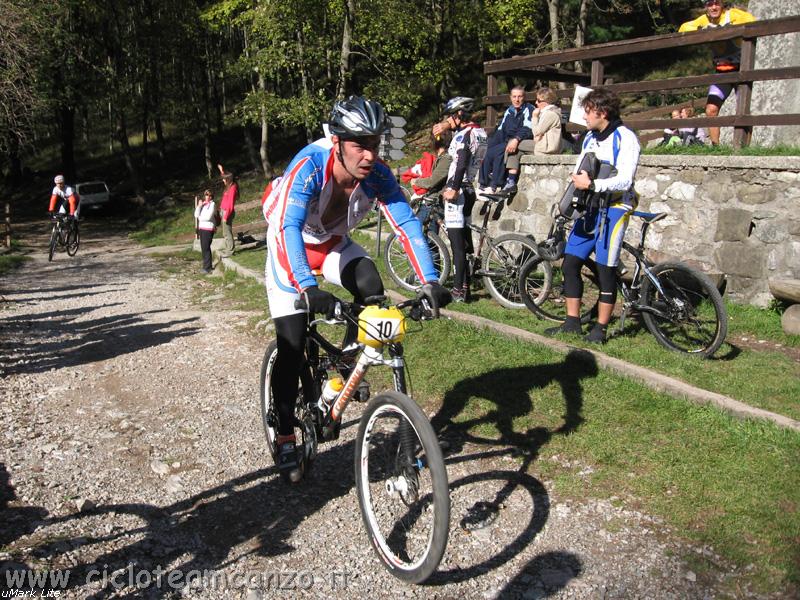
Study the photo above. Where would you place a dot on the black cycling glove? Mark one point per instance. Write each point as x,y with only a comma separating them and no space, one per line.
437,294
320,301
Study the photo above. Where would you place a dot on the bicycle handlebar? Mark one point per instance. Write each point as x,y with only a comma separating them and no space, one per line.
421,308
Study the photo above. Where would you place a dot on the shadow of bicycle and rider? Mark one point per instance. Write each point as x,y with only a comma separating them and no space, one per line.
508,394
37,342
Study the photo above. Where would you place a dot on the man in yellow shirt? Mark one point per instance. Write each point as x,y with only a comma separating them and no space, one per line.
726,54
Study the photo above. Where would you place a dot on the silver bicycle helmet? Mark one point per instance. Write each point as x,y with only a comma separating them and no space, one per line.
358,117
458,104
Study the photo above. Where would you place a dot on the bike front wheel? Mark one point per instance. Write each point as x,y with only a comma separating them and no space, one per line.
549,302
501,265
687,313
73,240
402,487
400,269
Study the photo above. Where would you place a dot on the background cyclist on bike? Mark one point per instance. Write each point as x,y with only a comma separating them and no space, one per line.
600,230
467,149
64,199
326,190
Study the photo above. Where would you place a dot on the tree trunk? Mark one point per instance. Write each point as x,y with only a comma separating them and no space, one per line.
580,32
68,142
122,138
145,126
206,123
250,144
161,144
304,79
344,56
263,151
213,89
14,162
553,8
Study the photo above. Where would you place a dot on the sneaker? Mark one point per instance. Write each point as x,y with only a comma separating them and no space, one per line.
566,327
597,335
457,294
288,466
510,188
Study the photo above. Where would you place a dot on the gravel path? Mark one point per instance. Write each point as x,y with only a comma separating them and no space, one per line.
131,445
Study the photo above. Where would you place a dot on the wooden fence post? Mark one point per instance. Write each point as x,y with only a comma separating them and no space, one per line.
744,93
8,224
491,111
598,72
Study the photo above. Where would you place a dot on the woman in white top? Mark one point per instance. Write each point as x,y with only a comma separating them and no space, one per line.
205,213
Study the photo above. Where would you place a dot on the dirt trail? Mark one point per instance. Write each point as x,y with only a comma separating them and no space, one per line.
131,446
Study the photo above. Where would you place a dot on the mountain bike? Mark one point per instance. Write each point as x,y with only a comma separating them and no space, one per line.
64,235
678,304
495,260
400,473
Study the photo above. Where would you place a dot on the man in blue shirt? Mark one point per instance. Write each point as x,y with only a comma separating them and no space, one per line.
515,126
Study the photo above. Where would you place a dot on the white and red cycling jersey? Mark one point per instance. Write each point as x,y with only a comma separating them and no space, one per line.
294,205
67,201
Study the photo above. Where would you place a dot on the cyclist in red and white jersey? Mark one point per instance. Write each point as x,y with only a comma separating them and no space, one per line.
467,148
327,189
64,199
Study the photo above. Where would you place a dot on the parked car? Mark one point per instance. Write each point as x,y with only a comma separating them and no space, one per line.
93,194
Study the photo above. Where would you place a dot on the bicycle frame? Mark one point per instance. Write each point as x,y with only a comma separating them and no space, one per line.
482,230
643,267
367,357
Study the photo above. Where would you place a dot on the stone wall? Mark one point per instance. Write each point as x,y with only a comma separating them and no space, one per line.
731,215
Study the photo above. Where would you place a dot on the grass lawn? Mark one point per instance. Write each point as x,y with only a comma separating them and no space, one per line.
9,262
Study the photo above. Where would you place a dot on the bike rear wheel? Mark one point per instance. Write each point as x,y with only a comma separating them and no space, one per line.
690,316
269,413
553,306
400,269
501,264
73,240
53,242
402,486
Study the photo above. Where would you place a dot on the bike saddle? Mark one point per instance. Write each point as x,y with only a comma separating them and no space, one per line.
494,197
376,299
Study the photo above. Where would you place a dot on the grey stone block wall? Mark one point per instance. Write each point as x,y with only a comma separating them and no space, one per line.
738,216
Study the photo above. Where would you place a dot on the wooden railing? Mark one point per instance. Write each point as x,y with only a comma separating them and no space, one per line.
544,68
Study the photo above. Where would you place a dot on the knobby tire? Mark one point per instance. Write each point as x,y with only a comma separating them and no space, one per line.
552,305
501,264
408,529
692,318
400,269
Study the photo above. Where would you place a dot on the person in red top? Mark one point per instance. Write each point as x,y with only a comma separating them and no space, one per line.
227,208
